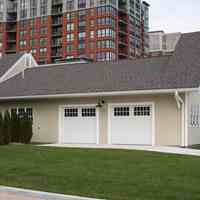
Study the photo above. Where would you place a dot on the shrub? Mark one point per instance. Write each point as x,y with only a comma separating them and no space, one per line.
1,130
26,130
6,128
15,127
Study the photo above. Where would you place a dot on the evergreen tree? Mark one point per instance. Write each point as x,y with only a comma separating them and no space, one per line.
6,128
1,130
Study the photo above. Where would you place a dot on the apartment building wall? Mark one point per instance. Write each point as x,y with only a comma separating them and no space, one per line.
162,43
59,29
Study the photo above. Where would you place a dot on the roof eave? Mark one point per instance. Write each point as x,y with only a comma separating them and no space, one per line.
102,94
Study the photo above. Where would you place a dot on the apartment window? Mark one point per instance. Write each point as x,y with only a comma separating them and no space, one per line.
33,42
1,6
81,35
91,3
106,56
33,32
106,33
106,10
69,57
81,46
91,45
70,27
43,51
22,43
33,51
43,31
32,23
23,24
70,16
82,24
43,7
70,48
22,34
69,5
43,41
91,34
33,8
23,9
101,2
106,21
70,37
91,22
81,3
43,20
106,44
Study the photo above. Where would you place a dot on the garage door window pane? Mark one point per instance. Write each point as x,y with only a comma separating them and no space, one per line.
71,112
142,111
88,112
121,111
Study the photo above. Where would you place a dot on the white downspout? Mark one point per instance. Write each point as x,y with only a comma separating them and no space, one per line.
181,106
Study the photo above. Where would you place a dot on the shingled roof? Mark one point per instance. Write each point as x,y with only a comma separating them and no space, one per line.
7,61
181,70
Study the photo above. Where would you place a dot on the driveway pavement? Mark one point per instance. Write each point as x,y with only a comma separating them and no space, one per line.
8,193
161,149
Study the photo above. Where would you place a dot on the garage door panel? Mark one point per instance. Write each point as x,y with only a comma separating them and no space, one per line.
131,124
79,125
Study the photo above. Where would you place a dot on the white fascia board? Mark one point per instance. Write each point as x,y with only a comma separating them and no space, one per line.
102,94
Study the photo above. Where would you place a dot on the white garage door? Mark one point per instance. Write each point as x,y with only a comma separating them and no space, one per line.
131,124
79,125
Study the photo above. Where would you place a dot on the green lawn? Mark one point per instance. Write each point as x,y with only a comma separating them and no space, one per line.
196,146
108,174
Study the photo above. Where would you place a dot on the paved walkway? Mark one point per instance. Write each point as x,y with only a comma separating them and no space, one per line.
8,193
171,150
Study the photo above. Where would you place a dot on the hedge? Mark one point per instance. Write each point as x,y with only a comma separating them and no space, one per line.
15,128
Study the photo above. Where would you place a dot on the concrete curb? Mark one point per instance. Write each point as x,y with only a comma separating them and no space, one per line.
41,195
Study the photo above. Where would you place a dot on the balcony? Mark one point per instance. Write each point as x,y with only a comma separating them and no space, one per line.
56,43
57,22
57,11
11,28
57,2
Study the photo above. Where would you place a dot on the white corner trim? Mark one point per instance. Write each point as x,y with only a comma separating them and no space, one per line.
153,125
186,137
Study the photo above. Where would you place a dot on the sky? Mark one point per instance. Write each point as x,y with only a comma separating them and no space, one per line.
175,15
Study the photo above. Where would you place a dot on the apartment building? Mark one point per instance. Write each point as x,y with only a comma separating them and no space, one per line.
161,43
52,30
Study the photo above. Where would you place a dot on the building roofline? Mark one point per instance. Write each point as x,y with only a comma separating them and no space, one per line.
102,94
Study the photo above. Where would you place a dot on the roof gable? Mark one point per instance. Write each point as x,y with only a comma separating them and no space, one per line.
7,61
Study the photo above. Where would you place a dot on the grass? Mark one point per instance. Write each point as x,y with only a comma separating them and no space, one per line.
108,174
196,146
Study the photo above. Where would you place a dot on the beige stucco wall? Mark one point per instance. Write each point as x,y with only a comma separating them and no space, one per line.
46,116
